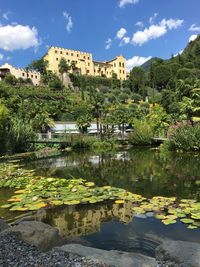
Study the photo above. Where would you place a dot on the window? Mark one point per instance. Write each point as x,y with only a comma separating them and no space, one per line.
88,64
61,52
31,75
35,76
77,55
27,75
84,57
120,64
67,53
120,71
123,71
23,74
88,71
94,71
88,58
57,59
56,51
72,54
114,64
123,65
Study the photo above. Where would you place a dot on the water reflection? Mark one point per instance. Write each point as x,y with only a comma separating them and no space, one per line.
146,172
112,226
75,221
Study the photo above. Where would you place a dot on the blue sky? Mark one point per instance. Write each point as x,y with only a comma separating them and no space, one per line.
137,29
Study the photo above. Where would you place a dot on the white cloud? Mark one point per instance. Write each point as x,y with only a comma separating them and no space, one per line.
194,28
125,40
172,23
69,23
1,56
5,15
122,3
18,37
136,61
155,31
152,19
121,33
193,37
139,24
108,44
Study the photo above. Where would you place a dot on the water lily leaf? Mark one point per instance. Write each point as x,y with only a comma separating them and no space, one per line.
20,191
168,221
90,184
72,202
6,206
187,220
160,216
192,227
14,200
195,216
138,210
119,201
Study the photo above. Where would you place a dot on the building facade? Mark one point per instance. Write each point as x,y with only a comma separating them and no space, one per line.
19,73
84,63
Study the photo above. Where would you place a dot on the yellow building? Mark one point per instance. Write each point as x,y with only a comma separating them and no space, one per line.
84,63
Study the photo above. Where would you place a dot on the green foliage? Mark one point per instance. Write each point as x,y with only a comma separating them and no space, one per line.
142,134
162,76
19,134
63,66
10,79
39,65
184,73
4,125
184,137
136,97
137,80
55,84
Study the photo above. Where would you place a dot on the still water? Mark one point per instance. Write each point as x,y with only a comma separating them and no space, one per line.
113,226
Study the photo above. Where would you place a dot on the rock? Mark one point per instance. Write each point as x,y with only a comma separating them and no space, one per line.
184,254
39,234
113,257
3,225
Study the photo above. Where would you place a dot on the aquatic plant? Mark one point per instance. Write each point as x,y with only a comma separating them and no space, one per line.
36,192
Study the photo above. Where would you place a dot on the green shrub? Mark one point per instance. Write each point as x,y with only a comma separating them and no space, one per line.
142,134
184,137
19,136
103,146
79,141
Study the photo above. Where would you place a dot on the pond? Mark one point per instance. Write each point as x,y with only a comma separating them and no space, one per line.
114,226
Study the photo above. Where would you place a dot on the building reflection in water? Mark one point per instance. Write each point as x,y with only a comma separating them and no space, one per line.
74,221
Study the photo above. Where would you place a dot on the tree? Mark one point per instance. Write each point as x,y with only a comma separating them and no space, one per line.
191,106
97,101
83,122
137,80
184,73
39,65
10,79
116,84
162,76
63,67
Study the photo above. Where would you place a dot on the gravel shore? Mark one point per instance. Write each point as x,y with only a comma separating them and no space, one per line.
16,253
